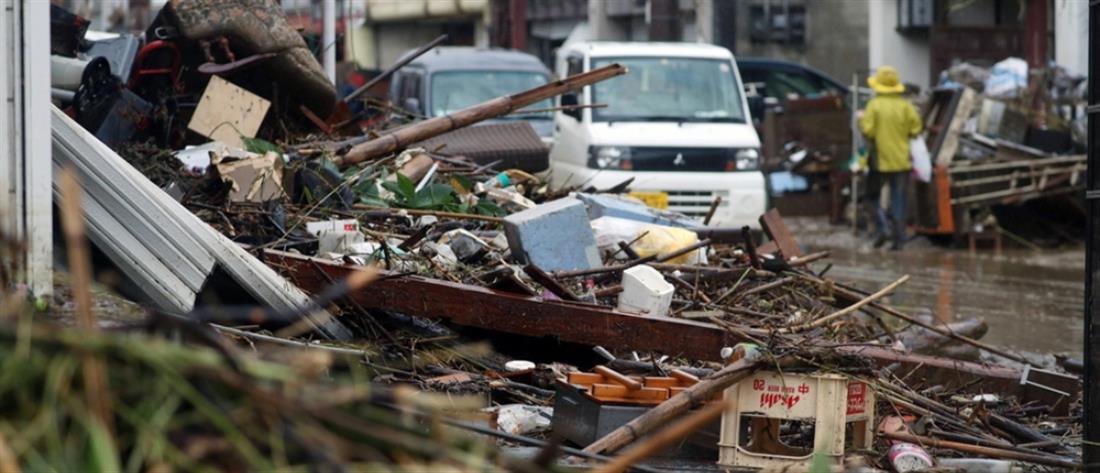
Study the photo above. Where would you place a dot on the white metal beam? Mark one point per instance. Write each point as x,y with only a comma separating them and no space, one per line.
25,174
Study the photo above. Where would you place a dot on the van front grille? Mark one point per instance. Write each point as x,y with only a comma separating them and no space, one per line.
695,203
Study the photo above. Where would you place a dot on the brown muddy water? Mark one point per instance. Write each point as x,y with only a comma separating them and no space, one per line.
1031,300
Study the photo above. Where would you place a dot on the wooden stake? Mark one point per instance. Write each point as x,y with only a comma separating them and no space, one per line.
80,270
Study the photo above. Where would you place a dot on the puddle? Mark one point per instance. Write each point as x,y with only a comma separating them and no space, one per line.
1032,301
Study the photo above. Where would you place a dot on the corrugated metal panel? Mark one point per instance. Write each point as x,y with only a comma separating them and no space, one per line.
516,145
157,243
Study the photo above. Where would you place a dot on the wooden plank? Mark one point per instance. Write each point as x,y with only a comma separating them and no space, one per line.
505,312
960,114
777,230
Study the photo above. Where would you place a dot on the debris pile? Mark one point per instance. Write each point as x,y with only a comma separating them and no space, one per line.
1005,135
391,234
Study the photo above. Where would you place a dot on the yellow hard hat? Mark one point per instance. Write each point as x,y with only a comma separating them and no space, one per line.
886,81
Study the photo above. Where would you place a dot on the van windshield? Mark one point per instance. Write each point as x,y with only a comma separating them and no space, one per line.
669,89
455,90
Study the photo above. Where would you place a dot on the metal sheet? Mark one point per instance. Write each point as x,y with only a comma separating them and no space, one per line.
162,246
516,145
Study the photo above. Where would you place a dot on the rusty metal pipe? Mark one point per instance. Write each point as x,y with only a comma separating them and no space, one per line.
432,127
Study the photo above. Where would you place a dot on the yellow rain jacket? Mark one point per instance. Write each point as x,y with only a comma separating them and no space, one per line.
890,120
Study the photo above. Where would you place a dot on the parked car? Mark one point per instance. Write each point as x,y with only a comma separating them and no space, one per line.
448,79
677,124
769,81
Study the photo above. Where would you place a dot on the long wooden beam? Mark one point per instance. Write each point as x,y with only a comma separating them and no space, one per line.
506,312
474,306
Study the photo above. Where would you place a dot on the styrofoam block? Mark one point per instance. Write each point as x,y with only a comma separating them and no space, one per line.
554,236
645,291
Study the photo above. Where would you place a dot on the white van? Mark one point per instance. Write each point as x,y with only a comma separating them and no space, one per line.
677,122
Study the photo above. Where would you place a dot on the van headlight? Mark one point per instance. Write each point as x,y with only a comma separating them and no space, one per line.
609,157
747,159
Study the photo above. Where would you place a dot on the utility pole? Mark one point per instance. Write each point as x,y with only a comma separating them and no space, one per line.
1091,422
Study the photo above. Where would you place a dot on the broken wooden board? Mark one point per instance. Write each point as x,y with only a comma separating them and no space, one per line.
475,306
773,225
950,142
590,324
226,113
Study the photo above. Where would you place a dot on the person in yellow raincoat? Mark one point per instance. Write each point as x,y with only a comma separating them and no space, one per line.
888,122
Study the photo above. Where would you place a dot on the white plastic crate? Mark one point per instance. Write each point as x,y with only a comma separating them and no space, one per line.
831,402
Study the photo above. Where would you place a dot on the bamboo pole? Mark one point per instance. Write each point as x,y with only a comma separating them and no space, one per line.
468,116
848,310
678,404
661,440
96,388
940,330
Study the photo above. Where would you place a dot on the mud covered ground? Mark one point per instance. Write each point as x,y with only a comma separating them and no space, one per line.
1033,300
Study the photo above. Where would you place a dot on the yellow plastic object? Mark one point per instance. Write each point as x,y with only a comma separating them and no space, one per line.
657,200
660,240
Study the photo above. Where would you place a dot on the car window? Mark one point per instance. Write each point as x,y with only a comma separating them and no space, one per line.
784,84
410,86
456,90
678,89
574,66
754,80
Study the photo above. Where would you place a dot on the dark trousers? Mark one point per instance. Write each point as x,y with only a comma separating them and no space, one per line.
899,193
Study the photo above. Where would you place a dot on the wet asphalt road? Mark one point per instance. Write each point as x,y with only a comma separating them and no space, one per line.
1032,301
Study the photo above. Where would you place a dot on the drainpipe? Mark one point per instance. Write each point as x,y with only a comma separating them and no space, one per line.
1036,34
328,39
517,11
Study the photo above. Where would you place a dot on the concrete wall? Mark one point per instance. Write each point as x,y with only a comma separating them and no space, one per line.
625,20
1071,35
836,38
393,27
885,46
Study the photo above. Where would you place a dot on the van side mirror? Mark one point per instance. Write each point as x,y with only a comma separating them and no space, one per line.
412,104
569,99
